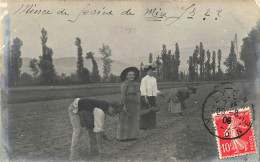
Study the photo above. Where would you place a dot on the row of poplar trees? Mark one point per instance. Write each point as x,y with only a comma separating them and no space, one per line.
204,65
167,64
43,70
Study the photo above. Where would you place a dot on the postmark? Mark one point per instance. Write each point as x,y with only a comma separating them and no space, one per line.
234,132
225,97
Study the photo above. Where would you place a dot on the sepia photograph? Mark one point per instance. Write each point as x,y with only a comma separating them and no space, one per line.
116,81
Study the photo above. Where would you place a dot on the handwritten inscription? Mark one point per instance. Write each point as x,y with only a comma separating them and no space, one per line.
150,14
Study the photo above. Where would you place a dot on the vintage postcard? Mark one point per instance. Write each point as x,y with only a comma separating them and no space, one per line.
173,80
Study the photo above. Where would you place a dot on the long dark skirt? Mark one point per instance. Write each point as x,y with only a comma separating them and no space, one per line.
128,126
148,120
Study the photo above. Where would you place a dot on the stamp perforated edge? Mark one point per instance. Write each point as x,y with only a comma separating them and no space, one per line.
216,132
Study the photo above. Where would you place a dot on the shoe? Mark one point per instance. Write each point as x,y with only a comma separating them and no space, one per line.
93,152
104,136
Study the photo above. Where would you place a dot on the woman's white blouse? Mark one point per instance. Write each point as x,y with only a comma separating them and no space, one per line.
148,86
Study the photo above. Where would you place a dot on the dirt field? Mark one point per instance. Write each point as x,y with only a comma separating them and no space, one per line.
42,131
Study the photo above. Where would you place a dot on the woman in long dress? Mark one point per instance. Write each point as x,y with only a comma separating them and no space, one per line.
128,127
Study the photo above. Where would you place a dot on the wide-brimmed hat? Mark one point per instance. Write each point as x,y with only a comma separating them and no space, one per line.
125,71
151,66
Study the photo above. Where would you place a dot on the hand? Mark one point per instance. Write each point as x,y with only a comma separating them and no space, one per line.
125,111
145,99
155,109
160,94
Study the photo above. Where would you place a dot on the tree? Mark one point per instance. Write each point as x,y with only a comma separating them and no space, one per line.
95,77
219,73
34,68
158,67
164,62
113,78
150,58
47,72
177,60
169,66
85,75
191,69
105,51
182,75
213,65
80,63
173,67
142,73
207,66
249,50
234,68
195,63
15,62
26,79
201,60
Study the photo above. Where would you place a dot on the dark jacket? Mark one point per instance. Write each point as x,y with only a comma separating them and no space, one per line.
89,104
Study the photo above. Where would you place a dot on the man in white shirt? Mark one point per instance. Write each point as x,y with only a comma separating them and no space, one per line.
149,92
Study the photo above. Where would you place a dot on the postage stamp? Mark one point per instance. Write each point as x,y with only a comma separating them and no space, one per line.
234,132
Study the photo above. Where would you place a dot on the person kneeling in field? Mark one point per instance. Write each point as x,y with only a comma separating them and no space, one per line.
89,113
177,96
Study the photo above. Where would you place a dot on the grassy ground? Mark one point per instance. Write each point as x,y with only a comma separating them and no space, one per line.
42,131
44,93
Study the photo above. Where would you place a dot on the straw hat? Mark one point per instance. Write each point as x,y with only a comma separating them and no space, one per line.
149,66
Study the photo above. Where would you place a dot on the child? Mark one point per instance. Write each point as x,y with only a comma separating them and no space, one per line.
89,113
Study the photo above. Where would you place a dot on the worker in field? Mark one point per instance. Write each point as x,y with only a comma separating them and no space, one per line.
89,113
177,96
149,92
128,126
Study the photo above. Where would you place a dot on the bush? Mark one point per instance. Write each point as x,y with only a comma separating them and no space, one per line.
26,80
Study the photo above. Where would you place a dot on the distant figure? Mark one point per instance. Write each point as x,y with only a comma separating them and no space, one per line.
128,127
149,92
177,96
89,113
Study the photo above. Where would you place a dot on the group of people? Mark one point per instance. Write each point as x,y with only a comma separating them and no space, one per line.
137,110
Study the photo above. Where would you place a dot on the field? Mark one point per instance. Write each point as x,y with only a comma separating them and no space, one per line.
41,130
43,93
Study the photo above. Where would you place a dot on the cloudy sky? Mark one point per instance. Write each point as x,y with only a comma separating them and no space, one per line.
131,36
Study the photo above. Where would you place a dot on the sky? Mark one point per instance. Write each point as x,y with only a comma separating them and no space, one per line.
131,36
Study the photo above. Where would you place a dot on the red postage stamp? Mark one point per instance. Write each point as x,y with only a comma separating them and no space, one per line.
234,133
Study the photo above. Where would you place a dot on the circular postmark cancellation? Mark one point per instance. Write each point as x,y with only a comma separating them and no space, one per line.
224,103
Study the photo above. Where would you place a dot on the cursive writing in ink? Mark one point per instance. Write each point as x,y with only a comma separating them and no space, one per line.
170,20
31,9
91,12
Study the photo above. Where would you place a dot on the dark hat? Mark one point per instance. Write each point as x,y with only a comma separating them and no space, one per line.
147,67
124,73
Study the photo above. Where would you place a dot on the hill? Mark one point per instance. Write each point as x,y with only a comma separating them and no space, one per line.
67,65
